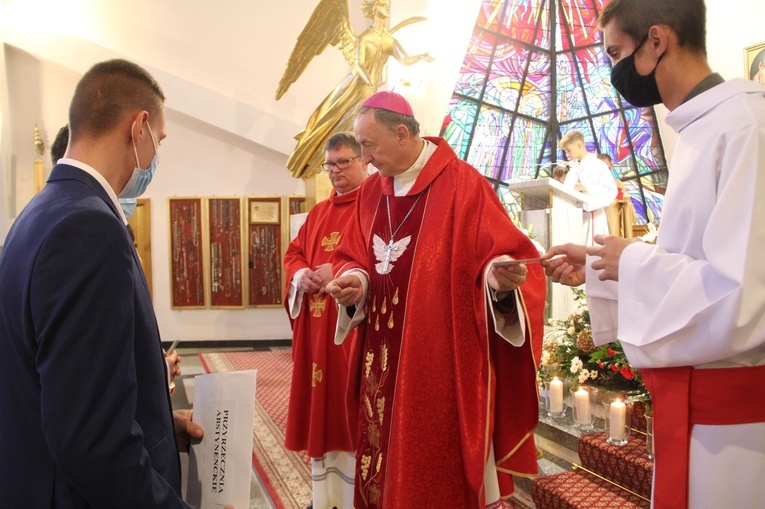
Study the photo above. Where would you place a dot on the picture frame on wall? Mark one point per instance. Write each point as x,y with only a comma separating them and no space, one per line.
754,59
224,234
187,267
264,251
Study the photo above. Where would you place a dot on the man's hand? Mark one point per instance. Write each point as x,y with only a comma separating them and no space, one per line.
325,274
185,430
580,187
567,270
346,290
507,278
173,362
609,250
309,282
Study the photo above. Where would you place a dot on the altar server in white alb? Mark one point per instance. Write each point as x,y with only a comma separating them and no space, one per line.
592,177
690,310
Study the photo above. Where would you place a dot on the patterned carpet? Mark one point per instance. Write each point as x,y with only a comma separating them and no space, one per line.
286,475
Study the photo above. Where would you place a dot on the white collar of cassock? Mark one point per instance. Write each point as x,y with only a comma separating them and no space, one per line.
403,182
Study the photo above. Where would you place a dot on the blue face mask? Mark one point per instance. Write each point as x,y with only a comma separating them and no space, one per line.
128,206
141,178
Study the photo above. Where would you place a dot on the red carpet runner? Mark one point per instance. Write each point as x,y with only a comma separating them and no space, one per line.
286,475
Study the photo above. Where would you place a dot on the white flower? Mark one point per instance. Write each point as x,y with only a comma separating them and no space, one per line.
651,235
576,365
583,376
571,331
593,374
545,358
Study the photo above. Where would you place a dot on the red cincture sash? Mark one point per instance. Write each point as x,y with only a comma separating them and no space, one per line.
685,396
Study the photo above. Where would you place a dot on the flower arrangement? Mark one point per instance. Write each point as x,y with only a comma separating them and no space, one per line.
569,352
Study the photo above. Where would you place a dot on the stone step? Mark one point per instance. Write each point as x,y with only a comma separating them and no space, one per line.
627,465
581,490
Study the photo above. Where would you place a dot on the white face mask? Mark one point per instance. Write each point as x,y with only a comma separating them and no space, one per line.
141,178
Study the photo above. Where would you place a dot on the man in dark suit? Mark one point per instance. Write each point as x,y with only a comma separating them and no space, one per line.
85,416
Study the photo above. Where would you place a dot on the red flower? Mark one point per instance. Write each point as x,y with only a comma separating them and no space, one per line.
611,352
627,372
601,365
614,368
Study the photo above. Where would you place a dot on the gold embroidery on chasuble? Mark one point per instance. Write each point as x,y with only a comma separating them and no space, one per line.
329,243
383,342
316,375
317,305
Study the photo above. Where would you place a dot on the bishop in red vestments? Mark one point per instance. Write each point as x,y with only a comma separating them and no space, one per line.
443,376
316,419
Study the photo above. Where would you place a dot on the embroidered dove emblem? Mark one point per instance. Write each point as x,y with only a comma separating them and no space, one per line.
388,253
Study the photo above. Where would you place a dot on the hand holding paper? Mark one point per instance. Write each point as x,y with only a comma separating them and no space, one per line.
185,430
507,277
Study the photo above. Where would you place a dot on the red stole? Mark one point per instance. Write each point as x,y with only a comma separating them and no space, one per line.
390,269
684,396
316,416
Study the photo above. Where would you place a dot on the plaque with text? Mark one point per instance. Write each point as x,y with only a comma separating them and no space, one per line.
225,248
186,259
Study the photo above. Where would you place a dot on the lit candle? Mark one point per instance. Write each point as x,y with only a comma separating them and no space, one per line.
582,406
556,396
617,415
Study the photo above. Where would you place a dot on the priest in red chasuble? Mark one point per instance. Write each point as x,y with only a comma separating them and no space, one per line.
316,419
443,372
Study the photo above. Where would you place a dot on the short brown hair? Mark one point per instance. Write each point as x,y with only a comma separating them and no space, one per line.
58,148
109,90
606,159
559,171
391,120
571,137
342,139
687,18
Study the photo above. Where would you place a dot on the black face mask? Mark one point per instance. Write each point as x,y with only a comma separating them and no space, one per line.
637,89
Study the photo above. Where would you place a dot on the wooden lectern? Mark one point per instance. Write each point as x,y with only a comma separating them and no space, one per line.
553,213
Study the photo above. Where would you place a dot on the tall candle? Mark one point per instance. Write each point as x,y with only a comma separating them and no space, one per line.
556,396
582,406
617,416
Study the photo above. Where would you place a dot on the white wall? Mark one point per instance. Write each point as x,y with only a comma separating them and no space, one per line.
219,63
731,27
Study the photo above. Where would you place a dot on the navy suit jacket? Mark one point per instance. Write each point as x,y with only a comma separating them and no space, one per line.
85,416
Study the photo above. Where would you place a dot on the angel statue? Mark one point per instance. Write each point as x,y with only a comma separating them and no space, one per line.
367,54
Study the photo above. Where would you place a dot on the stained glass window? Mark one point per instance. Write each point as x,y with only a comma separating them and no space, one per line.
534,70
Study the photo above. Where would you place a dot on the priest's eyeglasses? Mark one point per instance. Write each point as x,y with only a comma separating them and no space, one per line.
340,165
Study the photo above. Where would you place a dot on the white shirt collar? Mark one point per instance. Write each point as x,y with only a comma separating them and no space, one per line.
100,179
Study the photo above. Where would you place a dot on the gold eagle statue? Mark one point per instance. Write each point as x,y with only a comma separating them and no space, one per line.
367,54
